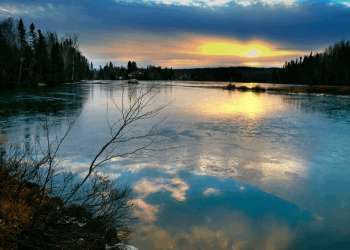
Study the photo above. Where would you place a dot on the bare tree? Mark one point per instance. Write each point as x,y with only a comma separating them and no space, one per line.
59,208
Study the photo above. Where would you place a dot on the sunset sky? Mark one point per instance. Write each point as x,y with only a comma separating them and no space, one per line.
190,33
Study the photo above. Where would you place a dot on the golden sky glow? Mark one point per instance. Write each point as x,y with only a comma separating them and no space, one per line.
252,63
186,50
253,49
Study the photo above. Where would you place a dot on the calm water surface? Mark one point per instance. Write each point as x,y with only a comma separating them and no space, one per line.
251,171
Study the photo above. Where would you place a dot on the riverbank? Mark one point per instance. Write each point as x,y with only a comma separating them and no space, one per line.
294,89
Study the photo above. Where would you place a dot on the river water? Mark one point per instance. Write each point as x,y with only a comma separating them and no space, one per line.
248,171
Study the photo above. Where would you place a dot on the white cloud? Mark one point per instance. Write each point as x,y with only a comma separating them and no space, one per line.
211,191
272,2
346,4
317,217
182,2
175,185
56,12
212,3
135,168
21,9
50,6
3,9
145,211
245,3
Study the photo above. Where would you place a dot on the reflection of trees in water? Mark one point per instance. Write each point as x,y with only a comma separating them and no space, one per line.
336,108
31,101
132,91
28,106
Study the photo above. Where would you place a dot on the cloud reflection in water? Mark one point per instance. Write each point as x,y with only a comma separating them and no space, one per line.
183,210
175,185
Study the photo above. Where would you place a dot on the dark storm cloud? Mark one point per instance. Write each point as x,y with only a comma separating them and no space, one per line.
302,23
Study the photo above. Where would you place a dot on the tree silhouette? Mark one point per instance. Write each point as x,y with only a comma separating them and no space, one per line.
129,67
133,66
22,34
32,34
28,59
332,67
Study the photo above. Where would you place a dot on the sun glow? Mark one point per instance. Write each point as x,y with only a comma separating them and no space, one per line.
253,49
187,50
247,104
252,63
226,104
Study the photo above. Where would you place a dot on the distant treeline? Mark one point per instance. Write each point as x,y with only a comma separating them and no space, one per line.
227,74
111,72
236,74
332,67
29,58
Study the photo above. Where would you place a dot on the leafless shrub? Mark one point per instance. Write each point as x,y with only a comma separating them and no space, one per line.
44,206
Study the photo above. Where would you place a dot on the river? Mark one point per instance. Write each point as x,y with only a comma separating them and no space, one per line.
248,171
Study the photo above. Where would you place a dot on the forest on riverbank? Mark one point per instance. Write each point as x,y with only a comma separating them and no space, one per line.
332,67
32,57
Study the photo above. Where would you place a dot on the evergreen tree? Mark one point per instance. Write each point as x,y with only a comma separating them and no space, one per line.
56,74
41,58
129,67
134,66
100,73
27,62
9,52
7,61
171,73
112,74
32,35
22,34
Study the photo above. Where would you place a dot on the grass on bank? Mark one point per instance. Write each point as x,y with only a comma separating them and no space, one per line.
310,89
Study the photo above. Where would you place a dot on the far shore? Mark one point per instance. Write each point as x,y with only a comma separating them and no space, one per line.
295,89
